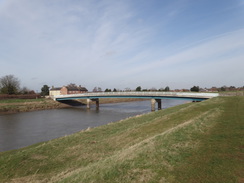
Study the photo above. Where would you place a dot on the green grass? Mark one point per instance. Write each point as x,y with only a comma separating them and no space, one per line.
194,142
231,93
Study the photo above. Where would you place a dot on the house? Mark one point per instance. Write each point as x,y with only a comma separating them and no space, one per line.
72,89
214,89
69,89
54,91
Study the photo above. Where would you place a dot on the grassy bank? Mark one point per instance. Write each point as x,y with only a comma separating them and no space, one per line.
194,142
24,105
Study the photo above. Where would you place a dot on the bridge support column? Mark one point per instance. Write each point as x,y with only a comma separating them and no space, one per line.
159,101
97,102
153,101
88,101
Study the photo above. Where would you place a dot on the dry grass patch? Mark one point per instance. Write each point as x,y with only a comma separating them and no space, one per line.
131,158
39,157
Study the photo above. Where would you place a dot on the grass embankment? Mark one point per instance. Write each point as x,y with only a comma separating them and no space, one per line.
194,142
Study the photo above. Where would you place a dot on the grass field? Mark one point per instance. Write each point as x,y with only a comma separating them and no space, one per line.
194,142
8,101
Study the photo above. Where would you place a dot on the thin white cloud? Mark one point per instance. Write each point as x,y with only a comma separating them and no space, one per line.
103,41
210,51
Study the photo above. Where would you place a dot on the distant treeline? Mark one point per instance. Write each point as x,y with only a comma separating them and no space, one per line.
27,96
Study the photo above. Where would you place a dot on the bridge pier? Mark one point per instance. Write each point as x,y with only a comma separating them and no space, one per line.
153,101
89,102
97,103
159,101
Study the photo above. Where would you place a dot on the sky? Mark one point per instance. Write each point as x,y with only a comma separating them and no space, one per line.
123,44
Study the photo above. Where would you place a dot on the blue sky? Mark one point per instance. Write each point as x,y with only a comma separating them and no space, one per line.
120,44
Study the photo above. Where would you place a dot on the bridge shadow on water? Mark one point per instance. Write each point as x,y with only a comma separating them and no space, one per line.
72,102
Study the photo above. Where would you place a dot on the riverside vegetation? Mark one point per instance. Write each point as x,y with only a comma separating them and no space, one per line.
24,105
193,142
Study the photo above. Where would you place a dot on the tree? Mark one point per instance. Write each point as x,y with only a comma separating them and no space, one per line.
24,90
95,89
232,88
9,84
138,88
127,89
32,92
195,89
99,89
166,88
45,90
108,90
71,85
153,89
223,88
114,90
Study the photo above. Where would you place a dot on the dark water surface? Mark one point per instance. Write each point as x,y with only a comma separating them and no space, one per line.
23,129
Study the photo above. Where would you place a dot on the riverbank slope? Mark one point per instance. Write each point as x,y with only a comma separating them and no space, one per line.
193,142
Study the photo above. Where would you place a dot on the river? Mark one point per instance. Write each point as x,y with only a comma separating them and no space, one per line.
27,128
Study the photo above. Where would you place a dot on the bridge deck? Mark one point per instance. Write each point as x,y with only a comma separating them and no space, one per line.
146,95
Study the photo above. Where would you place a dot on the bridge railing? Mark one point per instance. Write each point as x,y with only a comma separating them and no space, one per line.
175,94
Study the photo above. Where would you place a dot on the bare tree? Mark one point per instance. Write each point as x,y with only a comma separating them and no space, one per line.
72,85
9,84
97,89
153,89
24,90
127,89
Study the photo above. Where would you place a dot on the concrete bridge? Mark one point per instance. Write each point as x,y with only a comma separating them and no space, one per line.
154,96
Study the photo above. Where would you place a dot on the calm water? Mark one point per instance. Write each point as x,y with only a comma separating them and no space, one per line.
23,129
